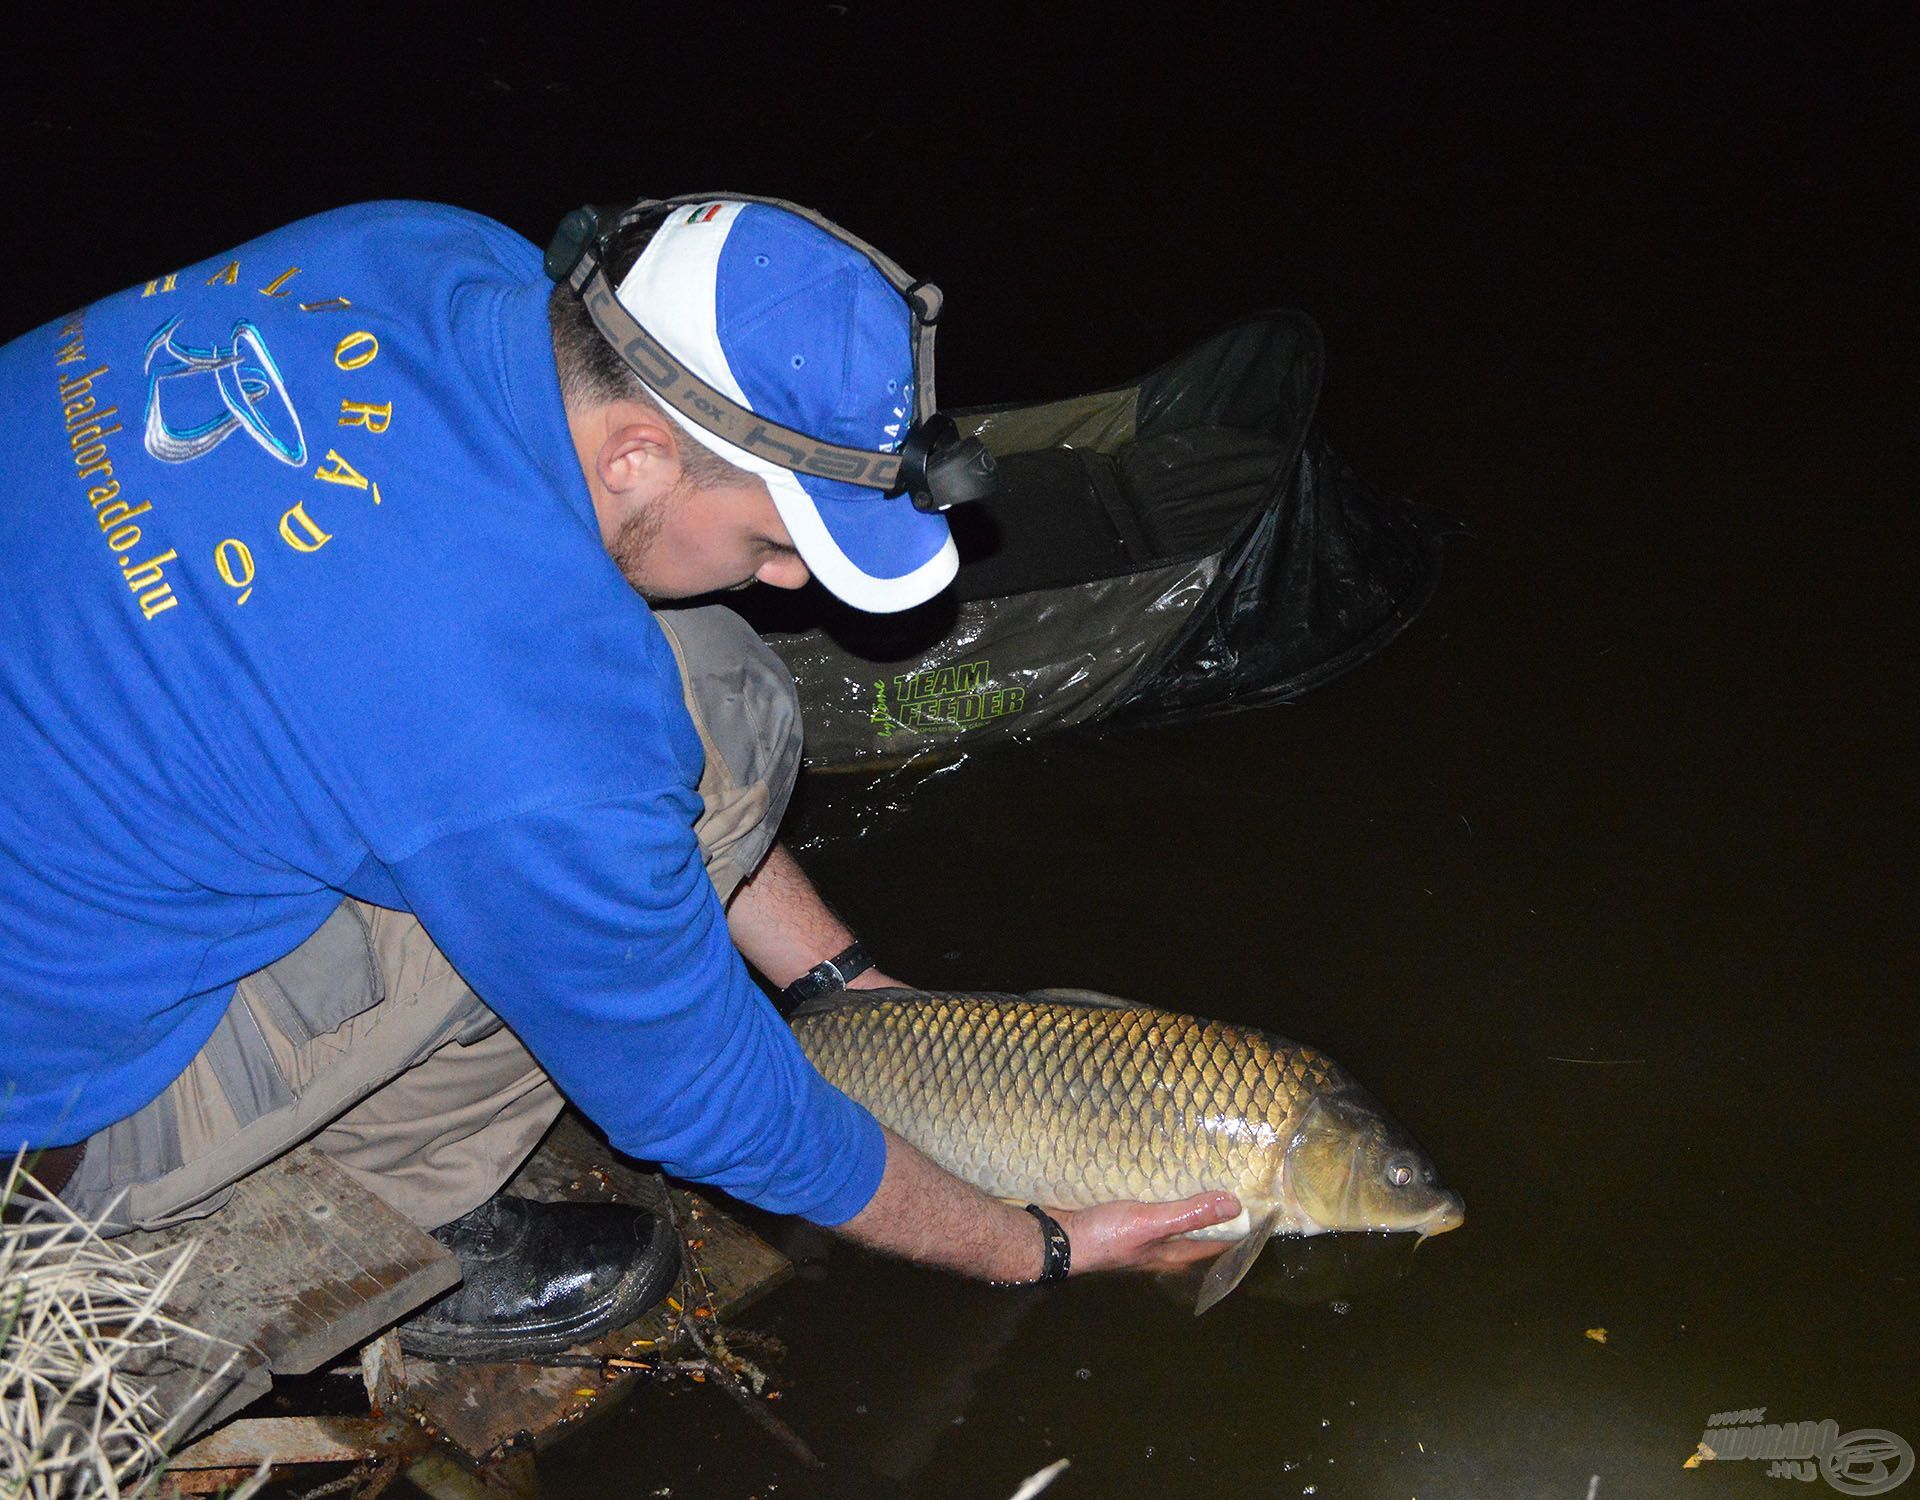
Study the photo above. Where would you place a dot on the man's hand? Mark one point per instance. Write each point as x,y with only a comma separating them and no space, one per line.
873,979
927,1214
1145,1236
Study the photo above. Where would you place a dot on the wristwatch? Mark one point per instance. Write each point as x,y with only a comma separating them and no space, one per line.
828,977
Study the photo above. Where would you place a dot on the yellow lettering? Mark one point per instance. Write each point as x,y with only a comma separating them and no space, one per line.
121,510
365,414
330,305
272,288
152,572
235,563
341,472
74,389
227,277
166,284
100,494
310,538
356,351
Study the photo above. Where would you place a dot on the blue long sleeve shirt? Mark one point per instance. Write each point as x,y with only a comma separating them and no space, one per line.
302,594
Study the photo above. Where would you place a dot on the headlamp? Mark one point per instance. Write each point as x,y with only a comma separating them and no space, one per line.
935,467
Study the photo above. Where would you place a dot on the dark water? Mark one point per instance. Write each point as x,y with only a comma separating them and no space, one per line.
1602,878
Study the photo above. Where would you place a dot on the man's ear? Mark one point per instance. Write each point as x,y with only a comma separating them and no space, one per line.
639,457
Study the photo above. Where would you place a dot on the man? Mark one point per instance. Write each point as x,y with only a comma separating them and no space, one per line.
353,792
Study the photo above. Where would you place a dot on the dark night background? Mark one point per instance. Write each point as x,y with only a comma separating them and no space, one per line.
1631,292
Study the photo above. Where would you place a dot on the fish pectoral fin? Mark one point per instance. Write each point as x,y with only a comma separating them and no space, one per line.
1231,1269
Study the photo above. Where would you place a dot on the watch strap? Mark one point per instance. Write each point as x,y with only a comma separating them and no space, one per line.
829,976
1057,1248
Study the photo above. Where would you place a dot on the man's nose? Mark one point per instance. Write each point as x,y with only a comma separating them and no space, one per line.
784,572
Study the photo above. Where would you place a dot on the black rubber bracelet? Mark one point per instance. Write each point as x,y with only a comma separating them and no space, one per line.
1059,1249
829,977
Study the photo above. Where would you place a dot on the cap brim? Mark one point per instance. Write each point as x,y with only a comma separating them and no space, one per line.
878,553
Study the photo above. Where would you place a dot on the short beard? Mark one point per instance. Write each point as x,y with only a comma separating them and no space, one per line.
632,546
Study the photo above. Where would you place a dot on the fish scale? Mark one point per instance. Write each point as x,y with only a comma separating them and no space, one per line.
1071,1103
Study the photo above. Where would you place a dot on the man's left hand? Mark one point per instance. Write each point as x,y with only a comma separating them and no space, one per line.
1129,1236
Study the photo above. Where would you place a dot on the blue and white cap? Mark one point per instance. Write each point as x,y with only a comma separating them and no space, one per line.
802,329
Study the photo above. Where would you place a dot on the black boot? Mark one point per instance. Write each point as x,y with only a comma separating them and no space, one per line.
543,1276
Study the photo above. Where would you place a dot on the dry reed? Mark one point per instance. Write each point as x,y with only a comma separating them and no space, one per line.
83,1333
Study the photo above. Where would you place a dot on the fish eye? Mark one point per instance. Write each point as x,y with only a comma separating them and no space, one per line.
1400,1172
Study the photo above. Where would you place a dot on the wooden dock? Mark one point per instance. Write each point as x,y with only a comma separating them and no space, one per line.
304,1269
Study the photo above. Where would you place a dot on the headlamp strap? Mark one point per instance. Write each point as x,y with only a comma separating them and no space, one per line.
719,413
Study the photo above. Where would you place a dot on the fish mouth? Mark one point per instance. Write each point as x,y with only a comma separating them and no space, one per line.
1449,1213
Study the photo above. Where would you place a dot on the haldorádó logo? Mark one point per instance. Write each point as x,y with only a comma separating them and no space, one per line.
1866,1461
237,384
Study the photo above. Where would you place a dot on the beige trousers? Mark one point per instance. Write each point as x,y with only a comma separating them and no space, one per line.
365,1041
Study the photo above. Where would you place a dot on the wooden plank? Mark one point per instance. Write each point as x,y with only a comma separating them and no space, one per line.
300,1440
177,1482
480,1409
186,1402
302,1265
383,1370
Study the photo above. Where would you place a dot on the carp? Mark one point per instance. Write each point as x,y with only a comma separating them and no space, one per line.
1068,1098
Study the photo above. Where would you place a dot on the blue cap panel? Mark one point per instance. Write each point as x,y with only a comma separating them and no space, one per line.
819,341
